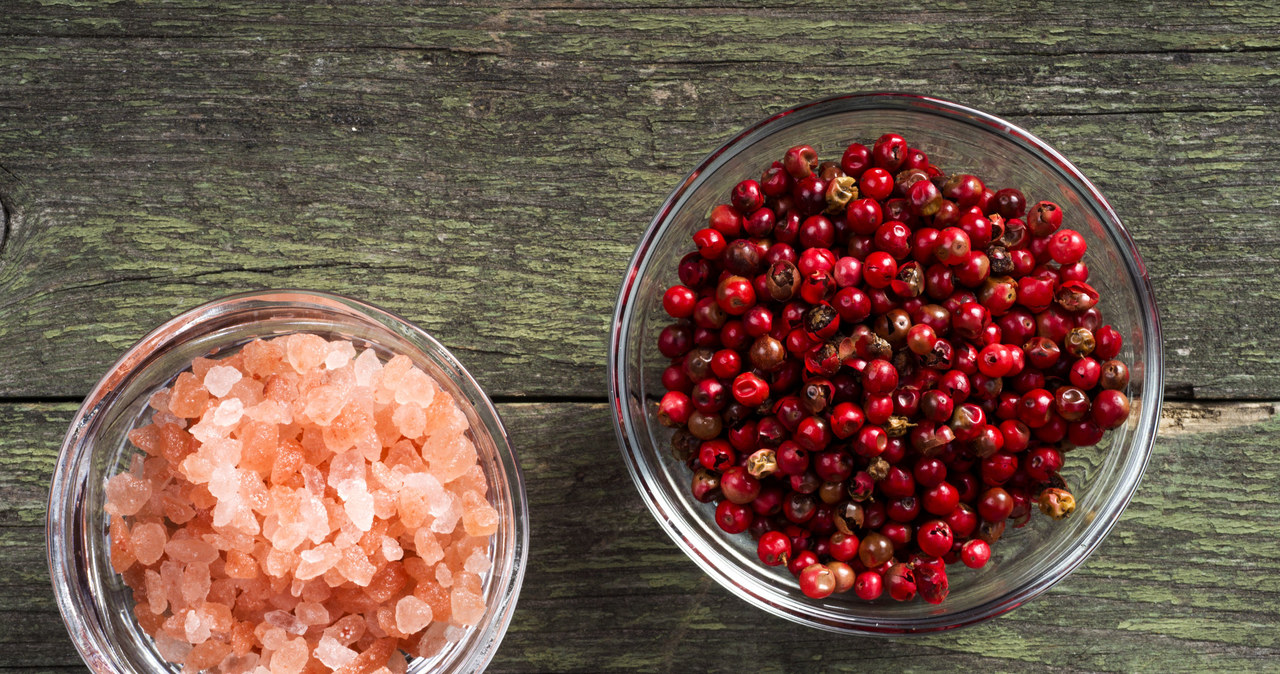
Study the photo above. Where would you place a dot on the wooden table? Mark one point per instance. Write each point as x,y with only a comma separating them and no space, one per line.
487,171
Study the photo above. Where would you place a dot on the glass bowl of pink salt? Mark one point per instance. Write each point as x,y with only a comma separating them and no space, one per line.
284,482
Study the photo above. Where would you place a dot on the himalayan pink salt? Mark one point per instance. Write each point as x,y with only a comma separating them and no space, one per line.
412,614
311,613
126,494
195,628
477,562
148,542
355,566
305,352
340,353
333,654
478,517
188,396
346,630
410,420
444,575
415,387
170,648
316,561
228,412
468,607
219,380
195,582
367,368
333,500
285,621
433,641
158,601
391,549
291,658
427,546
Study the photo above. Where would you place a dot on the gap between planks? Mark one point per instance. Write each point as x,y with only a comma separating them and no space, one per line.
1177,417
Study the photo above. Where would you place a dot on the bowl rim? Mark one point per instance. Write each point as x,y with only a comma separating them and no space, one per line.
1153,358
58,549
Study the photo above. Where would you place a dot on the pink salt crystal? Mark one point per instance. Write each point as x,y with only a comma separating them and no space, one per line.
359,507
478,517
146,438
385,477
340,353
468,607
285,621
312,479
267,411
197,467
188,550
444,419
367,443
346,467
384,504
171,576
447,514
412,505
171,649
366,368
157,602
392,373
126,494
200,366
396,664
316,591
311,613
228,412
305,352
451,461
391,549
323,405
410,420
195,582
274,638
412,614
433,641
444,575
427,547
250,392
239,664
472,480
159,401
195,629
220,378
346,630
415,387
148,542
355,566
333,654
291,658
477,563
316,560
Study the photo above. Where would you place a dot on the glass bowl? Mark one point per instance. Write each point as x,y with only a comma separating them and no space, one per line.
94,601
1027,561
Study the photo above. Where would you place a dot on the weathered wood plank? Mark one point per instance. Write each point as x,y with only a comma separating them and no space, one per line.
1188,579
448,163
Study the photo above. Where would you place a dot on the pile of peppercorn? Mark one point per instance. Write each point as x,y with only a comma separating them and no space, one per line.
875,366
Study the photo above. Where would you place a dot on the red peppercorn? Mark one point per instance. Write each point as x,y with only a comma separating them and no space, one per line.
975,553
774,548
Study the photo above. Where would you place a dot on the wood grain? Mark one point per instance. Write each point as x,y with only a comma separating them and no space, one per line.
1188,580
487,171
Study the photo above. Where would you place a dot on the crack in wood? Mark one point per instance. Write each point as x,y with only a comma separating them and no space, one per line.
1190,418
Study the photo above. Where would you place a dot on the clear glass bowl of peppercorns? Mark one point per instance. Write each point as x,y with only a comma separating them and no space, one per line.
886,364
